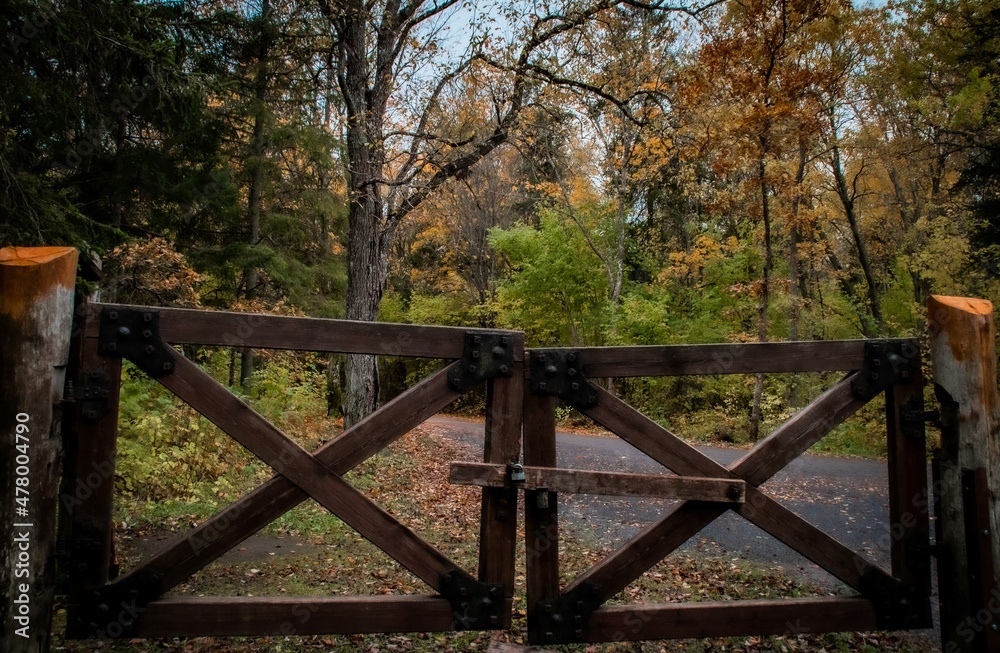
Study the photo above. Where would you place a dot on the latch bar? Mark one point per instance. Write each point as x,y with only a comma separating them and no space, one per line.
578,481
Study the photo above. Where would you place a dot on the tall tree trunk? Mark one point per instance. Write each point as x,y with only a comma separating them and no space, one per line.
795,235
255,165
847,196
369,233
765,293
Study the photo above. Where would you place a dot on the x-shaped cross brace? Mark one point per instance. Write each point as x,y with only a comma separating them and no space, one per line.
895,601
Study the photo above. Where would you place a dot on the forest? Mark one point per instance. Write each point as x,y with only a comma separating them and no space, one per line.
592,172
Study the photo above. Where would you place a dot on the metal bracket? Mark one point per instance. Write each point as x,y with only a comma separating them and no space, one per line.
135,335
564,620
559,372
884,366
486,356
475,605
92,394
897,606
113,610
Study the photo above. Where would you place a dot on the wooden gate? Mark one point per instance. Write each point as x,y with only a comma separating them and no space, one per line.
522,387
576,613
133,606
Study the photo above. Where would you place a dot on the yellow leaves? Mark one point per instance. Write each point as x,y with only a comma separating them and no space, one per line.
689,265
152,272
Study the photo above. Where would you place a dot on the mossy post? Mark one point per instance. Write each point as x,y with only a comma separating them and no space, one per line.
36,316
963,354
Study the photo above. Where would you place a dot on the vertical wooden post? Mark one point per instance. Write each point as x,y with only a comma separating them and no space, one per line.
909,514
498,528
963,354
541,512
36,317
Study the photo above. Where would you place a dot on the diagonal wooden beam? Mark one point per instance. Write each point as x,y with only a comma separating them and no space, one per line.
787,527
206,395
188,554
661,538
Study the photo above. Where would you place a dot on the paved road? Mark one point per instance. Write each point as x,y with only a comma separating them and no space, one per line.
846,498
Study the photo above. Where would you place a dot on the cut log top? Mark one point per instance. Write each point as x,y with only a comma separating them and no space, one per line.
29,273
32,255
966,304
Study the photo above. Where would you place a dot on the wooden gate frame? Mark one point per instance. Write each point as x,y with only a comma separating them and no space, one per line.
101,605
132,606
896,600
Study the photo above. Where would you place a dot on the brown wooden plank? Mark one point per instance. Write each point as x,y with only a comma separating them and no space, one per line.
814,544
541,512
244,517
203,393
576,481
802,430
652,439
651,545
678,360
502,446
984,592
190,326
245,616
908,492
87,495
788,617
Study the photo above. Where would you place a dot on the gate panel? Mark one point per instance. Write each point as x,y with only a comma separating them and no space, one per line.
463,602
575,613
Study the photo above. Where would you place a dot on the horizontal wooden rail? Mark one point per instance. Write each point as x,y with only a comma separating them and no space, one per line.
578,481
749,358
246,616
789,617
182,326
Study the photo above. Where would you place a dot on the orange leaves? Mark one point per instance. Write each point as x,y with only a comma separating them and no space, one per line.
152,272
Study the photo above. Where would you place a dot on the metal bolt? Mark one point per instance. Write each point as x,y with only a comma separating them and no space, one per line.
147,333
112,346
734,492
551,370
168,366
112,315
542,386
464,591
475,354
124,331
574,386
504,369
571,371
147,317
571,358
477,339
472,368
149,349
494,620
499,352
579,633
557,618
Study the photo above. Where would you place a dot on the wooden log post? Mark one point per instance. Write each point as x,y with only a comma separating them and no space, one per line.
963,354
36,315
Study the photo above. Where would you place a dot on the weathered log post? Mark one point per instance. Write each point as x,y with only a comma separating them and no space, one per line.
36,314
963,355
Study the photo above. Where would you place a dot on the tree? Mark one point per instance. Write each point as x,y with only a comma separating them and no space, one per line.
396,156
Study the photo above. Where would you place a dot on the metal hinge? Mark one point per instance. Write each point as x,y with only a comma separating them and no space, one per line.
486,356
476,605
559,372
565,620
135,335
886,364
